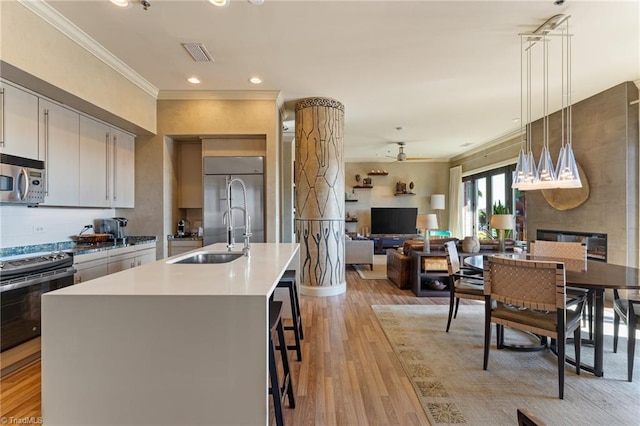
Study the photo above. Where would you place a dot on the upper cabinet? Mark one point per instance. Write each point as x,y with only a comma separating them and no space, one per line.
95,142
190,174
123,168
59,148
107,165
18,122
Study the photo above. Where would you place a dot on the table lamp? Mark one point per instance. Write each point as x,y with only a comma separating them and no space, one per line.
426,222
437,203
501,222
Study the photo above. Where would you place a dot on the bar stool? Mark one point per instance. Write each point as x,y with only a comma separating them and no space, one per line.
288,281
279,392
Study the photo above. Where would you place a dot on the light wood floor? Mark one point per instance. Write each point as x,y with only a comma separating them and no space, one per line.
349,374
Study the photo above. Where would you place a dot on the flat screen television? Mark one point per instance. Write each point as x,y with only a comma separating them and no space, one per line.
393,220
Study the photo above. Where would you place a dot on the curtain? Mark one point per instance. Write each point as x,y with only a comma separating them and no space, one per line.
456,201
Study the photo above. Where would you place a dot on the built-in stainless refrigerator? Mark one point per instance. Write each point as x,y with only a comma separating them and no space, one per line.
218,171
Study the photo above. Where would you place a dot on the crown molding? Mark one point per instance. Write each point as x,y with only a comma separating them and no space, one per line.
234,95
66,27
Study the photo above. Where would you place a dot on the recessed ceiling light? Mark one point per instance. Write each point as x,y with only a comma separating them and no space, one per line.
516,120
255,80
193,80
220,3
120,3
256,2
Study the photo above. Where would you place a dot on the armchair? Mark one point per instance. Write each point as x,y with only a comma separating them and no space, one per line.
359,252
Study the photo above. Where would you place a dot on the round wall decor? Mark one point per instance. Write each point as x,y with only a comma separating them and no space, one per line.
570,198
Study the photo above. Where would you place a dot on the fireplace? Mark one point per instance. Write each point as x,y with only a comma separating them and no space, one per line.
596,243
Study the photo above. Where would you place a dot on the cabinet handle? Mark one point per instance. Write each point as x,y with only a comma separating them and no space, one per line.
46,147
107,143
115,167
2,118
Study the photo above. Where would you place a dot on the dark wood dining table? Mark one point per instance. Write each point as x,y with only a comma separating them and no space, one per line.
591,275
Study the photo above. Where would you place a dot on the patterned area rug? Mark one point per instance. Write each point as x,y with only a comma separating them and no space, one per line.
379,269
446,372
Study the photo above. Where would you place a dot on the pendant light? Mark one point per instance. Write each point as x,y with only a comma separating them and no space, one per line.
527,175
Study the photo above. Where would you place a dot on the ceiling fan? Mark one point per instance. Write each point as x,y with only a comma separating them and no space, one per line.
401,156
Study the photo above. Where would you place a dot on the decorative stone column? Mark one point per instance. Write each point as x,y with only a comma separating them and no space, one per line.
319,193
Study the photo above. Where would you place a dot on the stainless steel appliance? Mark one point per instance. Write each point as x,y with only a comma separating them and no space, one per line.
114,226
182,225
21,180
218,171
22,281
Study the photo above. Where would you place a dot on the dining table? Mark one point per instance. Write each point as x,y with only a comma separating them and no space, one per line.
592,275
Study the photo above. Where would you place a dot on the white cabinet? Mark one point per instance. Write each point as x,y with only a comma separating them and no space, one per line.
145,253
59,147
90,266
93,163
18,122
123,169
121,259
107,165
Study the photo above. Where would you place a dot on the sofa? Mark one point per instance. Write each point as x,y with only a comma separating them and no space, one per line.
358,252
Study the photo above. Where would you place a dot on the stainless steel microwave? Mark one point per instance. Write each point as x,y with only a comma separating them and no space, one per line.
21,180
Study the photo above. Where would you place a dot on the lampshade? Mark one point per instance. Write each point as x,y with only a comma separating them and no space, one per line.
437,201
501,221
427,221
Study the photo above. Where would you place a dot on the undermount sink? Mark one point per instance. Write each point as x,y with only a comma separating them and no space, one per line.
207,258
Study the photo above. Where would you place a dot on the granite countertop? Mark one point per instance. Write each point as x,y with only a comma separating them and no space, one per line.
256,275
133,240
189,237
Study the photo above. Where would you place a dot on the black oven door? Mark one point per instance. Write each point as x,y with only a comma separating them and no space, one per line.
20,308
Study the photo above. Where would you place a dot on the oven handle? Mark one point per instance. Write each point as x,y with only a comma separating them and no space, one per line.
37,279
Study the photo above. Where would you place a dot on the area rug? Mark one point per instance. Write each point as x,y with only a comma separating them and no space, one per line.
446,372
379,268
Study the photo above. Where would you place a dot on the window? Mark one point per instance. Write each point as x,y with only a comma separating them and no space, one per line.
483,193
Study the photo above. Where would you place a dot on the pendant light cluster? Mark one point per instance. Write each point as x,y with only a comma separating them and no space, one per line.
544,175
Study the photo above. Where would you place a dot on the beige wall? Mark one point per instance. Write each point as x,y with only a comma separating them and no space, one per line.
428,178
36,55
186,119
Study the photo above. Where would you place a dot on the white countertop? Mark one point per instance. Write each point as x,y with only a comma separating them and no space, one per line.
256,275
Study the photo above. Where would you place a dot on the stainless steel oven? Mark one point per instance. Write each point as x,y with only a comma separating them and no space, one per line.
23,280
21,180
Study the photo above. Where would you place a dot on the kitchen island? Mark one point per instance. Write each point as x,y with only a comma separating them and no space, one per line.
164,343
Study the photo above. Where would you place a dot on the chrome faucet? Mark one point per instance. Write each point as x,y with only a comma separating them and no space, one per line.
227,218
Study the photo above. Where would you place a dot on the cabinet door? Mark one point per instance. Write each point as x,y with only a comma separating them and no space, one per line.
87,273
60,149
145,256
190,195
18,122
123,170
94,157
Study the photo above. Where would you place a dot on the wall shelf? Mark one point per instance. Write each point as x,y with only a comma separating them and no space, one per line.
350,200
351,220
362,187
404,193
377,173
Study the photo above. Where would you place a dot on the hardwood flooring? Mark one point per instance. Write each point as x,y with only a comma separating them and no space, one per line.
348,375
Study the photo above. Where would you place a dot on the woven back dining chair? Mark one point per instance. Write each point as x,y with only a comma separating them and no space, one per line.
530,295
462,283
572,252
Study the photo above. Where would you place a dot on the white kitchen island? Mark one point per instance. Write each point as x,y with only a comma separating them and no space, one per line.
163,344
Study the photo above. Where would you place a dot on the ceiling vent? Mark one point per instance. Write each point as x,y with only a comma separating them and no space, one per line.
198,52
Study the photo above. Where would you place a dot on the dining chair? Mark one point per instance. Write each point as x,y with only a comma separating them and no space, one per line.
530,295
571,251
462,283
628,310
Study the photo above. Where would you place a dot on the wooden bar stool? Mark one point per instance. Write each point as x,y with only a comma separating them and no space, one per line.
279,392
288,280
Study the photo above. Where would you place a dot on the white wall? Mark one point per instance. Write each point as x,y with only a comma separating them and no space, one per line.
18,223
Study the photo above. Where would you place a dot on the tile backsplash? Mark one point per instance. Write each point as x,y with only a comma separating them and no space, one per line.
21,225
